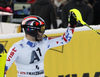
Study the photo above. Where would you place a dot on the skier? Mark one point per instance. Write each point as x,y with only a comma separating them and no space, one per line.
29,52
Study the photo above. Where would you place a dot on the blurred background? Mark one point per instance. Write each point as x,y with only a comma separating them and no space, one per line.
13,12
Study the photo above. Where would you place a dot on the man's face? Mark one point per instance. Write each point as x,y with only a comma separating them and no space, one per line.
39,36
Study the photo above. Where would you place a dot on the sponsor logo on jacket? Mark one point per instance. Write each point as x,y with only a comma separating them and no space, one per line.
11,54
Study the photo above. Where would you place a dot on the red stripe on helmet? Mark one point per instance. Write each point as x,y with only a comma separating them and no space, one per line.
30,22
28,29
42,23
29,17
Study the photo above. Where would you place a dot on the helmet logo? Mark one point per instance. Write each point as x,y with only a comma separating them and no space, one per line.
37,23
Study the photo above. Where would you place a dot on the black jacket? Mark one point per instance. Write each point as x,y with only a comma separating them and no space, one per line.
96,8
46,10
85,9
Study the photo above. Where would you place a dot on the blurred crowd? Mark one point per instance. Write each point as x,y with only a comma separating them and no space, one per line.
53,10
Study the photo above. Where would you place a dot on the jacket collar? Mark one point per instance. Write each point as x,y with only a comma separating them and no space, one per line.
30,43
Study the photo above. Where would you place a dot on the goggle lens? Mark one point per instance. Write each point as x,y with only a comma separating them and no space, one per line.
42,29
